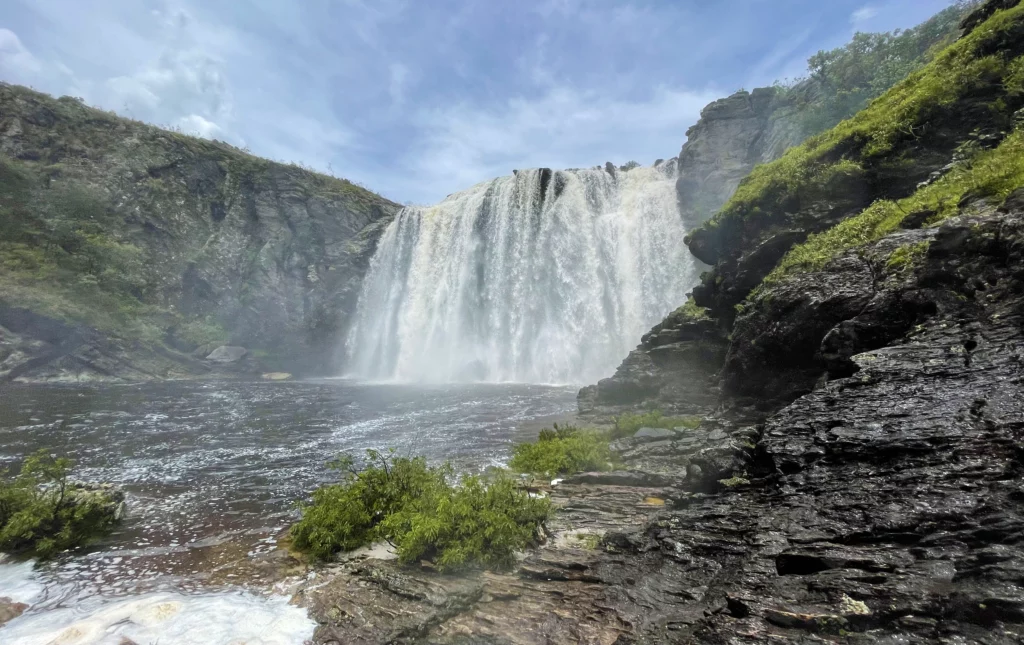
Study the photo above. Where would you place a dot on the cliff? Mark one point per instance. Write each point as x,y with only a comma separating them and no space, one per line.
734,135
911,136
130,252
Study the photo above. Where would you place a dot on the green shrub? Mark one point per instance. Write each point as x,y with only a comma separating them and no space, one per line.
627,424
907,256
417,509
200,332
689,311
471,523
562,451
41,513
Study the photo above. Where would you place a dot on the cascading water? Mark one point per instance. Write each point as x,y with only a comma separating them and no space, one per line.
542,277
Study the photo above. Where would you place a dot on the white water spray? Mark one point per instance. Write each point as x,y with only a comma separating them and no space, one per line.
544,277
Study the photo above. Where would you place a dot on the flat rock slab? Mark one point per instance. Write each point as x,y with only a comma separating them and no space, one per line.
654,433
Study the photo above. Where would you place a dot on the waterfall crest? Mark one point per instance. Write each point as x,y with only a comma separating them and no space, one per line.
544,277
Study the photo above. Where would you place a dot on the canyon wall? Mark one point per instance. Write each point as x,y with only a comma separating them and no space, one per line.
131,252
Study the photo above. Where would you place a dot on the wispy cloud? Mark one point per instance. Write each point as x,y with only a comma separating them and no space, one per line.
863,15
419,99
399,75
564,127
16,61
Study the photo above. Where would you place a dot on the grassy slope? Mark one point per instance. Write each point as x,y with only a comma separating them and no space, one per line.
992,174
815,168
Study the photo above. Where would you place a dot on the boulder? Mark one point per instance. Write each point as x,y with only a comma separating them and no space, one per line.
9,610
227,354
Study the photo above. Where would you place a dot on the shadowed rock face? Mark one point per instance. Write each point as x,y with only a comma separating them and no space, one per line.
674,369
884,503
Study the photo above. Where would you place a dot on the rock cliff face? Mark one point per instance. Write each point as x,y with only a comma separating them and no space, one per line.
231,249
733,135
675,367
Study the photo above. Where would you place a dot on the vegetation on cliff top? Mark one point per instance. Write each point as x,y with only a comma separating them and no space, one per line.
818,168
77,130
423,511
847,78
991,174
42,513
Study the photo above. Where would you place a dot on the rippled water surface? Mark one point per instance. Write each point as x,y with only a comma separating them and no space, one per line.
212,470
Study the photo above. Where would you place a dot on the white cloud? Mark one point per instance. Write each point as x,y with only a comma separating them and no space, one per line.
178,83
16,61
863,14
565,127
196,124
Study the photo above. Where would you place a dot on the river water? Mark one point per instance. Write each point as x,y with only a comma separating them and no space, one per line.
212,472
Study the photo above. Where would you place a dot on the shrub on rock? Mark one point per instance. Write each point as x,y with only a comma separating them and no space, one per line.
42,513
562,451
425,512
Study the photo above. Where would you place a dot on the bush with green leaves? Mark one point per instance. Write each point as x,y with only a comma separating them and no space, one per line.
562,451
42,513
849,77
425,512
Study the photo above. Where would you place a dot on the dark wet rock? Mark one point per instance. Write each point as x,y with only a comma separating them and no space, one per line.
642,479
674,369
983,12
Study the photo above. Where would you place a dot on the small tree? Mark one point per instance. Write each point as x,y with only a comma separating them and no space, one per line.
43,514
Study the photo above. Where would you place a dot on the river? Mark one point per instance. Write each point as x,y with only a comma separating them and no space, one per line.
212,471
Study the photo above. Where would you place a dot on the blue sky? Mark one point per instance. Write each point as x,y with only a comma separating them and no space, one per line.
420,98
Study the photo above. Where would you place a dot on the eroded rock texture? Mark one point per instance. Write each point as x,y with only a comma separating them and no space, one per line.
675,369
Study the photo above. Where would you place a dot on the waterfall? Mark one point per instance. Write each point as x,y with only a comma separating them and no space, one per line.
544,277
